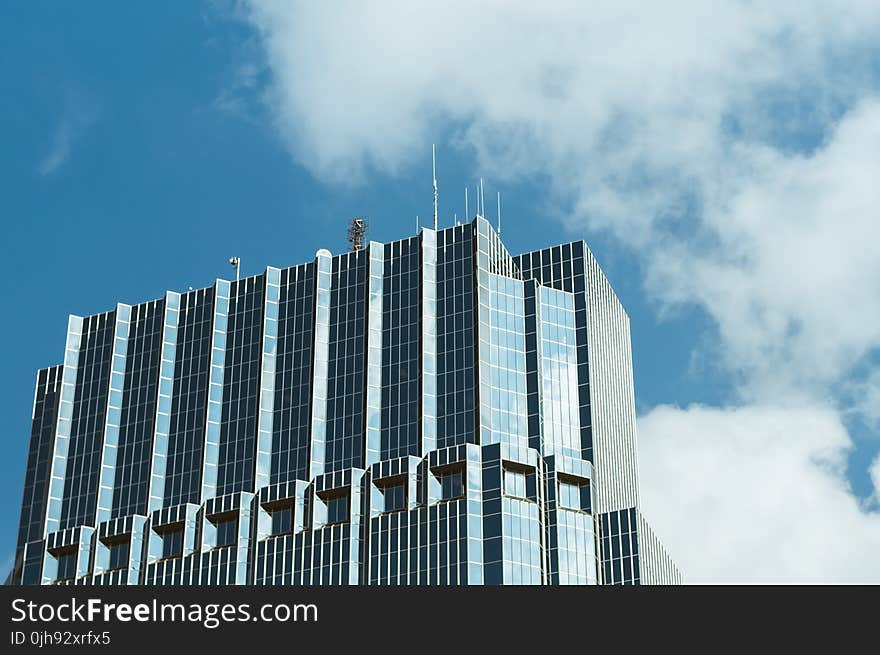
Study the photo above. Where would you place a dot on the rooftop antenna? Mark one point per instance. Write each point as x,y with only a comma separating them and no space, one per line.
434,170
466,214
482,200
356,231
499,213
417,223
235,262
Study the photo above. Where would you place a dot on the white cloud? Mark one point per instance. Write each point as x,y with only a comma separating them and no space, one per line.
760,494
731,146
656,123
794,280
79,113
875,478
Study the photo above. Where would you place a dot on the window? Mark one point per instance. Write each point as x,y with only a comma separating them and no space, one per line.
337,509
227,532
66,566
515,482
172,543
574,494
395,497
451,485
282,521
119,555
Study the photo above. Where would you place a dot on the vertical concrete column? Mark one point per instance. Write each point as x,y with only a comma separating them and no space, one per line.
263,460
62,429
112,417
373,419
215,390
162,424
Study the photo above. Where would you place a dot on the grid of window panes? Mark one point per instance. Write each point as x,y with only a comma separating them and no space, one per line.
241,385
521,557
39,454
451,484
504,412
562,267
515,482
337,509
400,349
620,547
293,373
559,374
394,495
521,541
575,547
427,545
172,542
282,520
227,531
274,559
138,414
214,567
66,566
191,370
569,495
324,555
492,255
533,364
455,337
119,551
574,493
345,370
87,425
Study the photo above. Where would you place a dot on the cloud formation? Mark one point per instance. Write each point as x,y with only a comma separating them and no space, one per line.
730,146
757,493
79,113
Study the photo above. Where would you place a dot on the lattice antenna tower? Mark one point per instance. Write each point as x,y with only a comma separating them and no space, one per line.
357,230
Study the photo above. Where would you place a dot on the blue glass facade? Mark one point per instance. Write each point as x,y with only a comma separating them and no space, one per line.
401,349
138,415
293,376
241,386
189,399
427,411
85,448
346,361
45,415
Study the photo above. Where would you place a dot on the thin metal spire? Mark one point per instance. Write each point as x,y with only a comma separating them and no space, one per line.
417,223
466,214
434,169
482,200
499,213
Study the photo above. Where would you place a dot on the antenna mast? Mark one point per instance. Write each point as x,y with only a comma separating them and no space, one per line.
482,211
356,231
499,213
434,170
466,214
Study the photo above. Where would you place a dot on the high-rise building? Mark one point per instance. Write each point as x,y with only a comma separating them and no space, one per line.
428,411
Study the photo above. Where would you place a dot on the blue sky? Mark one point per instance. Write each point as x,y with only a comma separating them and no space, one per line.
144,144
